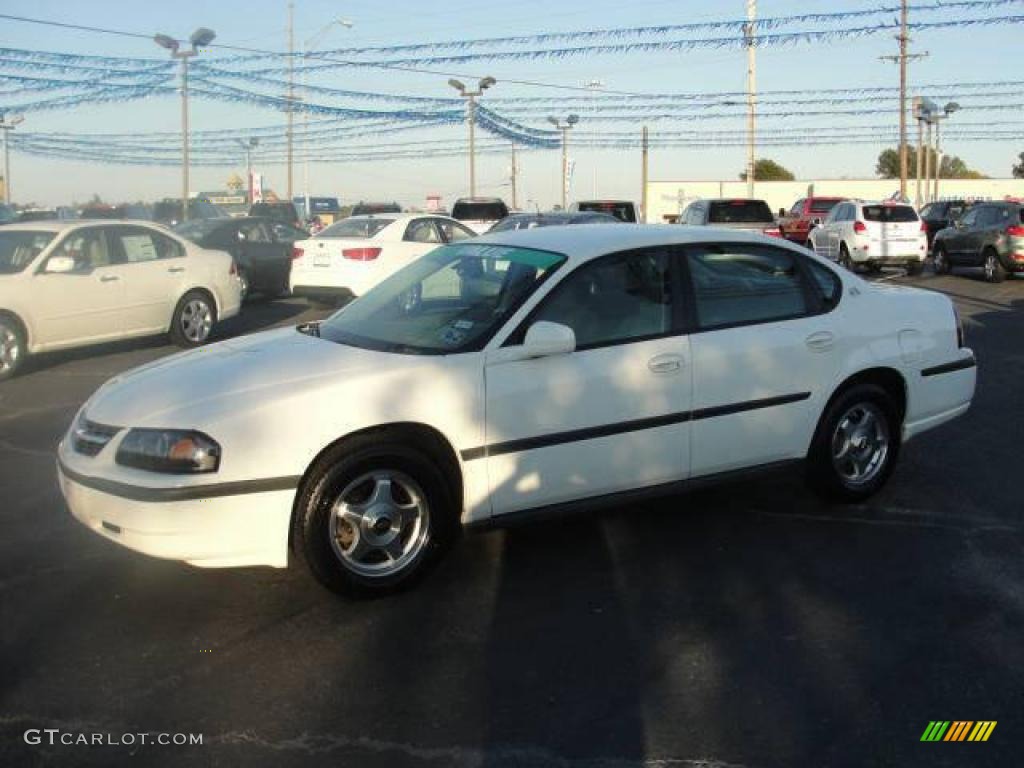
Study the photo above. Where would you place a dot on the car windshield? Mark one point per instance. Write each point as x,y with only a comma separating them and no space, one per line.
622,211
889,213
451,300
823,206
357,228
472,211
19,249
740,212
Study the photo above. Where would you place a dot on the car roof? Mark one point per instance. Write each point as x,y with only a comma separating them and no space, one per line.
62,225
586,241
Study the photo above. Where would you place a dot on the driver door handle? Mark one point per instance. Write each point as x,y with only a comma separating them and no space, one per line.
822,341
174,270
109,278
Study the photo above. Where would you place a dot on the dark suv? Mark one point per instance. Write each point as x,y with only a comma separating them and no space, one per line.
988,235
941,214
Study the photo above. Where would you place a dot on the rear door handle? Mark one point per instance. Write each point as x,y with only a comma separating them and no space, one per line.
665,363
174,270
821,341
109,278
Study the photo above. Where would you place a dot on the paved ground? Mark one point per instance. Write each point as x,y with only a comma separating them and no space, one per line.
743,626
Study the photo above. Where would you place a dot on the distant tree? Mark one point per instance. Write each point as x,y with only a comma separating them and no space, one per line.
888,166
1018,170
767,169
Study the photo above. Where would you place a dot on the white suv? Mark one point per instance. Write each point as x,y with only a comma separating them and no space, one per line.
872,235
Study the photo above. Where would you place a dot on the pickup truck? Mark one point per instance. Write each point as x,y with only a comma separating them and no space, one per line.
797,223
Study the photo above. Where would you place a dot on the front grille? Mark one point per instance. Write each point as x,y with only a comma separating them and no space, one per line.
89,438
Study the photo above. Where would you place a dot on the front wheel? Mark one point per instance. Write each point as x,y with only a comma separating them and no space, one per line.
193,319
12,348
994,271
856,445
374,515
844,258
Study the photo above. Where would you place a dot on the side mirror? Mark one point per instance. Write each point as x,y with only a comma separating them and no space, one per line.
817,222
60,265
544,339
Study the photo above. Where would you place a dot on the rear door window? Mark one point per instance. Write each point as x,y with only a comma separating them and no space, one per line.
740,212
889,213
422,231
471,211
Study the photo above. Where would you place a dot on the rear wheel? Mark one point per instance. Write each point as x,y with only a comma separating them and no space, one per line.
193,319
856,444
374,515
12,347
941,259
844,257
994,271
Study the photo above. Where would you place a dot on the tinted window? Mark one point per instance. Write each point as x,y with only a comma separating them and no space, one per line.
993,216
453,232
482,211
889,213
823,206
19,249
357,228
930,210
614,299
744,284
970,218
254,232
827,282
621,210
740,212
366,208
422,231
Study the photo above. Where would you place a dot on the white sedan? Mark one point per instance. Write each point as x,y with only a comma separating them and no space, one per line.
535,369
68,284
353,255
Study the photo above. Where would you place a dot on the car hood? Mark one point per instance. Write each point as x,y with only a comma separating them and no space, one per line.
181,388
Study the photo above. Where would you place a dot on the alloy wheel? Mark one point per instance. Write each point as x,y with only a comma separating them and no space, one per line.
10,349
860,444
379,523
196,320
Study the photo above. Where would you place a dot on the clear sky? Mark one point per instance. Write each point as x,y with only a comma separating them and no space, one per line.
978,54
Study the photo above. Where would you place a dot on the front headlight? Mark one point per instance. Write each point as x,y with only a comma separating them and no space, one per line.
178,451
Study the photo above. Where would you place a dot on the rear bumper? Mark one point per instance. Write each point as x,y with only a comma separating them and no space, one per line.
941,393
326,293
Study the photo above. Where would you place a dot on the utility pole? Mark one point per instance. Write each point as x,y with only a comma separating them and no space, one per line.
291,91
902,58
570,121
248,145
751,92
6,126
594,86
515,194
919,116
643,176
928,161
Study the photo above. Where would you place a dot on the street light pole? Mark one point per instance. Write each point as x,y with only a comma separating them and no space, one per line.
594,86
248,145
471,97
6,126
199,38
565,127
947,110
312,41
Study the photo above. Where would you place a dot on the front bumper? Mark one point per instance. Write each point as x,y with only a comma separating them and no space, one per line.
244,529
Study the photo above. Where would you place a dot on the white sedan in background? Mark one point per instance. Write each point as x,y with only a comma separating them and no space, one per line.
353,255
536,369
68,284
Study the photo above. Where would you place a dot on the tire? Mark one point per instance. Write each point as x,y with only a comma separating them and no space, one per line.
246,283
345,537
193,319
994,272
860,427
12,347
941,261
809,245
844,258
915,268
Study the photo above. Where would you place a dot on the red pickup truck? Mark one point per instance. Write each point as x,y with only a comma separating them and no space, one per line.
796,225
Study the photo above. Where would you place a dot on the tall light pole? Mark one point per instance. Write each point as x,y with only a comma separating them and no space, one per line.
7,126
248,145
199,38
749,30
305,113
565,127
471,97
594,86
947,110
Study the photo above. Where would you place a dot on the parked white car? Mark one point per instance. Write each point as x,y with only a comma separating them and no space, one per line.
536,369
874,235
68,284
479,213
351,256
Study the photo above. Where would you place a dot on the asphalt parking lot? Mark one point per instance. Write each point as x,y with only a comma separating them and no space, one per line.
739,626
